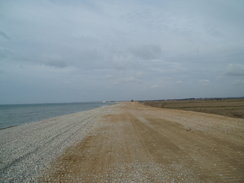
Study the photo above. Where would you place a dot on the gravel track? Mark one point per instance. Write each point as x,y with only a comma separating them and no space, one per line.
125,142
135,143
26,150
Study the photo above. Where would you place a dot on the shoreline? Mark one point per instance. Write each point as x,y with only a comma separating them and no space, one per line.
125,142
10,126
26,150
54,115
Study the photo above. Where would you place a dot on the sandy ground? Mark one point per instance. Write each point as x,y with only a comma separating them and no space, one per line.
135,143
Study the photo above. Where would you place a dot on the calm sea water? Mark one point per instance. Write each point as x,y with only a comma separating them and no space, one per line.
11,115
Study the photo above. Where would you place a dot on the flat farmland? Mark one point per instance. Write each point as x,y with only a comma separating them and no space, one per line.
226,107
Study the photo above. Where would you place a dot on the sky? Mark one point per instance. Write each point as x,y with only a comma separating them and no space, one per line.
94,50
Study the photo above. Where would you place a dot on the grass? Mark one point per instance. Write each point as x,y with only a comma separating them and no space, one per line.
227,107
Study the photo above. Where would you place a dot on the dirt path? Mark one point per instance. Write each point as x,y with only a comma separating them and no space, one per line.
135,143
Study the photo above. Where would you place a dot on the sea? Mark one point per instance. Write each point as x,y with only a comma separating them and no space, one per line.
18,114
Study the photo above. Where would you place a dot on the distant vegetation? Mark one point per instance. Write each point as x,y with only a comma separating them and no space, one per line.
232,107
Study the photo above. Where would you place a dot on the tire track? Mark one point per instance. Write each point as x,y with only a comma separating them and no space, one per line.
128,142
209,151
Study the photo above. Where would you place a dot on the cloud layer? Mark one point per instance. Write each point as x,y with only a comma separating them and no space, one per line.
81,50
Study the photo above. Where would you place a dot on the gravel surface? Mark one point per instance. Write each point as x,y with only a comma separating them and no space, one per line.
125,142
135,143
26,150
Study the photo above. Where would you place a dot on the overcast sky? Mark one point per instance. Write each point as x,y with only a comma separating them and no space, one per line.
95,50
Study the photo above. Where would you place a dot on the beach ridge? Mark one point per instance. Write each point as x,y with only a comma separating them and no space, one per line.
125,142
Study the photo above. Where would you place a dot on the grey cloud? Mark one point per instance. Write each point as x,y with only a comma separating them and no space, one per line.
133,43
239,83
128,80
147,52
128,77
91,56
204,82
155,86
121,62
88,59
53,61
5,35
235,70
56,63
4,53
119,65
